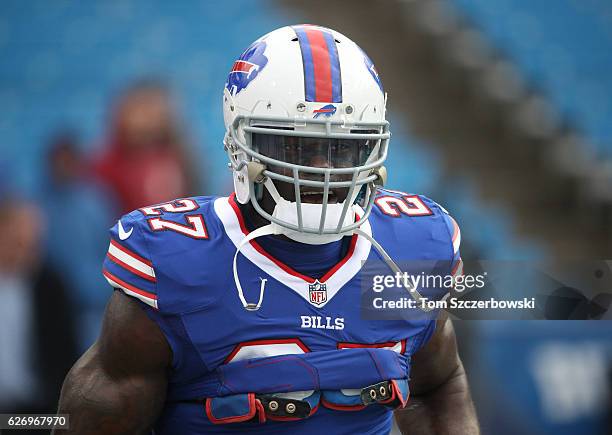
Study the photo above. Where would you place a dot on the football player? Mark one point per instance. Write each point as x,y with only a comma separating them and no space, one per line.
241,314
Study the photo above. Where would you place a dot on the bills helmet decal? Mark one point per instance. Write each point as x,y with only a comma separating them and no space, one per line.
372,70
327,111
247,67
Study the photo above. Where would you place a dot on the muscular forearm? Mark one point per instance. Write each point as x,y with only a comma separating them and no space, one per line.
100,404
447,409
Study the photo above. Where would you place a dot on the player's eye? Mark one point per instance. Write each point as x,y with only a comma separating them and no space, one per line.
344,147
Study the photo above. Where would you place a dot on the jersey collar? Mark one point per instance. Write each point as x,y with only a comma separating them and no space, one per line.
231,217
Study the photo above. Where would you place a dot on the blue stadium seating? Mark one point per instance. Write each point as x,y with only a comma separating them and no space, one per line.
414,167
564,49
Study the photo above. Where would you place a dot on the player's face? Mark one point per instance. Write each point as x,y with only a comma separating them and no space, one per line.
313,152
145,118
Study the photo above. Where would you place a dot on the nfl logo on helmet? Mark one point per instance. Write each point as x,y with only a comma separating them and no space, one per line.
317,292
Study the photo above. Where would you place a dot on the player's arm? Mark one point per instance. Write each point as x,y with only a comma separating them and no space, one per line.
440,400
118,386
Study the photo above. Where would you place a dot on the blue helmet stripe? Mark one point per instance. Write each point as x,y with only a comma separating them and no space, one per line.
309,78
334,61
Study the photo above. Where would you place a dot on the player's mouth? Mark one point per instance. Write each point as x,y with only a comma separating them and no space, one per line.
316,197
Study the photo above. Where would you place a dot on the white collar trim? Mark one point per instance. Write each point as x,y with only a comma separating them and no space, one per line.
334,283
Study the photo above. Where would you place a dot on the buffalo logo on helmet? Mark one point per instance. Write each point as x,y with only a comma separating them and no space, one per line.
372,70
317,293
327,111
247,67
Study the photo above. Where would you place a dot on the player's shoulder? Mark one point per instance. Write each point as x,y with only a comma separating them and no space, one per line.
193,217
416,218
176,208
395,203
156,248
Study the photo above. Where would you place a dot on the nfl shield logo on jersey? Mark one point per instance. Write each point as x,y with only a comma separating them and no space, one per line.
317,292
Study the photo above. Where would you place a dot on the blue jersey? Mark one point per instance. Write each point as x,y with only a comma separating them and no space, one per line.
177,259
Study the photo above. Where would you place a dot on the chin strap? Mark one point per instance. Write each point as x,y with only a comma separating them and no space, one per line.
412,291
269,184
274,229
259,232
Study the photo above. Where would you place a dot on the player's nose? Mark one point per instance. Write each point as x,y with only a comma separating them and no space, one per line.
320,161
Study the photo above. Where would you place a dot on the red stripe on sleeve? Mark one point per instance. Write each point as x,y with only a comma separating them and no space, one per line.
131,253
128,286
455,229
130,268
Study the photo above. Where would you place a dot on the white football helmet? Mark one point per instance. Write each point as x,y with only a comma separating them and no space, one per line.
304,105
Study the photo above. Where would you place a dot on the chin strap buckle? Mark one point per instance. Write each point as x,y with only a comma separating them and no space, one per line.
381,172
255,172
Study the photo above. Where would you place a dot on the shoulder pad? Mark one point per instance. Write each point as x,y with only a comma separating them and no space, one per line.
395,203
128,264
145,244
415,228
410,215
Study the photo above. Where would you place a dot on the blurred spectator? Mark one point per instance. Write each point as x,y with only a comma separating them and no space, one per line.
37,332
78,213
145,160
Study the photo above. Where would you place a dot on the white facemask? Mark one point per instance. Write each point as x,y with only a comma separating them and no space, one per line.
311,216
